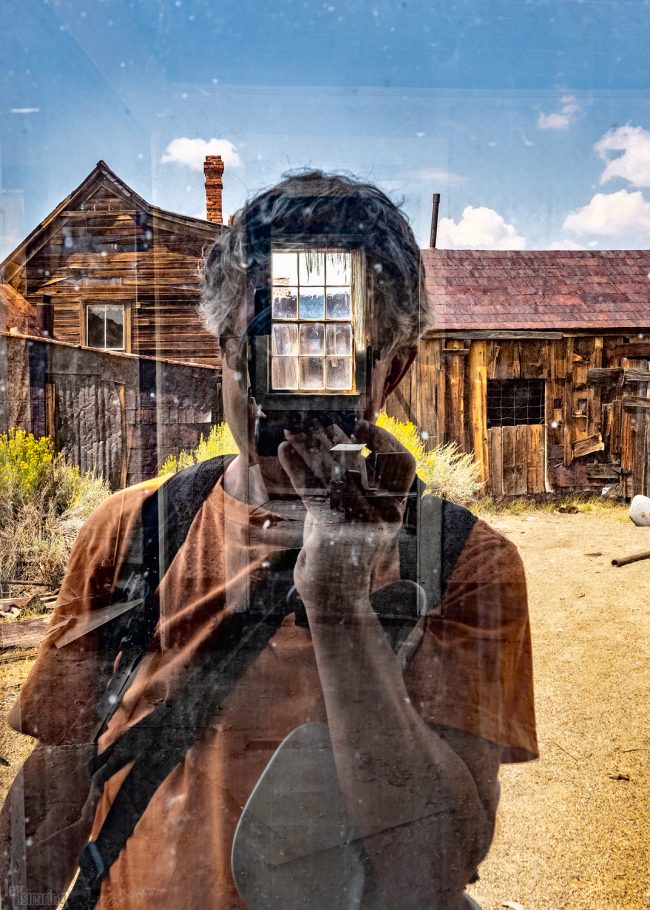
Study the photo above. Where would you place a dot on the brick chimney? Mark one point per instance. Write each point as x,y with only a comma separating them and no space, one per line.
213,170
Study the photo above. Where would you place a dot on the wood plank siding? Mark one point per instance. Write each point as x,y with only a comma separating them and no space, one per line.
106,245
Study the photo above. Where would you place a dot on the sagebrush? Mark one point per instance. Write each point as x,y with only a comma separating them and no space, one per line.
220,441
445,470
44,500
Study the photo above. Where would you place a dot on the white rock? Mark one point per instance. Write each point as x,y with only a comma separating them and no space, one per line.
640,511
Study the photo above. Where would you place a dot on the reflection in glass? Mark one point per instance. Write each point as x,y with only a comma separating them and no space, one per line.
338,373
311,270
311,373
285,303
338,303
312,338
285,269
284,372
339,339
337,266
284,339
312,304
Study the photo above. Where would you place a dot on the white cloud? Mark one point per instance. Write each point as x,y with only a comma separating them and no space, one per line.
611,215
633,164
192,152
565,245
562,119
439,175
25,110
480,228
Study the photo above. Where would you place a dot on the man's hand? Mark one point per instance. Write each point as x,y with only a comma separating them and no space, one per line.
341,550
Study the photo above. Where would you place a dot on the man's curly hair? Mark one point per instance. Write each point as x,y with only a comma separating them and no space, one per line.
238,261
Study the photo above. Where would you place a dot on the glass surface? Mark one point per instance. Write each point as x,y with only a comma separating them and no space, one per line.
338,373
285,269
284,373
312,338
284,303
338,304
338,339
338,268
311,374
115,327
284,339
312,304
95,327
311,270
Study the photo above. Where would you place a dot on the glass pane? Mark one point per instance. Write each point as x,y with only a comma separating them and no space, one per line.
311,373
284,339
337,268
338,304
284,372
312,338
339,339
338,373
285,303
115,327
312,304
312,268
95,326
285,269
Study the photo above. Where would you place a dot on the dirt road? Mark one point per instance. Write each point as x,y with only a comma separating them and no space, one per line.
574,831
574,827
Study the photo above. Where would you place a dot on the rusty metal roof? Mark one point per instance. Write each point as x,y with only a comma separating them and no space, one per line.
550,289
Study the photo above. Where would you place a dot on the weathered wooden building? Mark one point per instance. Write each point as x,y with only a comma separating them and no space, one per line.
109,271
539,363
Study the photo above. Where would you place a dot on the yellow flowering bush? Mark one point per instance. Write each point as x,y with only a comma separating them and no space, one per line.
44,500
220,441
445,470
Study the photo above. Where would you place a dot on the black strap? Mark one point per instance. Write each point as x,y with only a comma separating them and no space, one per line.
163,525
175,725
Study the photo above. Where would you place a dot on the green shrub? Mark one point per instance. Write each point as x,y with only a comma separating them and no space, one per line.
220,441
445,470
43,503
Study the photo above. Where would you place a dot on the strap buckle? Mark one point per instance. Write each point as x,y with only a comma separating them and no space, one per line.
91,864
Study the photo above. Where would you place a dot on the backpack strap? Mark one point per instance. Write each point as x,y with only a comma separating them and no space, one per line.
162,527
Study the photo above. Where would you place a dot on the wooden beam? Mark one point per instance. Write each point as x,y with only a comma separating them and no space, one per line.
478,405
617,375
635,349
633,404
588,446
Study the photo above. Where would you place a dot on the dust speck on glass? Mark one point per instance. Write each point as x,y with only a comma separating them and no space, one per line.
312,332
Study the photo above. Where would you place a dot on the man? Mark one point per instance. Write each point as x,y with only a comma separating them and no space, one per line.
402,740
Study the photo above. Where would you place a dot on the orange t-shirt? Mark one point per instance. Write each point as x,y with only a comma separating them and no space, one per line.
472,671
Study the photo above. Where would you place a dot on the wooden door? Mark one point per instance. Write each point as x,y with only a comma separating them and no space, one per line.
516,460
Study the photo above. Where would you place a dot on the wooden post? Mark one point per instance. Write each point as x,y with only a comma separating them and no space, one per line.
455,394
478,405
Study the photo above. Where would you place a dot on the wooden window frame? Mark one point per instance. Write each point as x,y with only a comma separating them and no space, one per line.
126,309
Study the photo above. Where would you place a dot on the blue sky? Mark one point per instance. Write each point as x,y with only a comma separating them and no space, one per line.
530,117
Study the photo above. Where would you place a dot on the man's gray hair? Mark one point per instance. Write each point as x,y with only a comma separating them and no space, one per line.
237,261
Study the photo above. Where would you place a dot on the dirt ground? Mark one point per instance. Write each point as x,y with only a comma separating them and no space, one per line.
573,829
571,834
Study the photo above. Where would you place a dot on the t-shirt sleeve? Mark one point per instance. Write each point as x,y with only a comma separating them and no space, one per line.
473,669
58,701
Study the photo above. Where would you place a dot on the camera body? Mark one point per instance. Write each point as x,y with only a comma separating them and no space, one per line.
309,358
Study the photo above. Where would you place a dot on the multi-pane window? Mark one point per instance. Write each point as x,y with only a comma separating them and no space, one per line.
312,338
105,326
511,402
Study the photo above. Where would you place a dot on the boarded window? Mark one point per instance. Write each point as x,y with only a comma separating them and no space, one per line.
512,402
